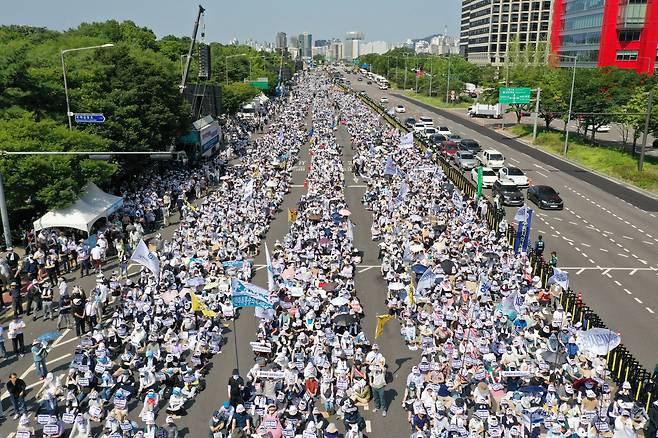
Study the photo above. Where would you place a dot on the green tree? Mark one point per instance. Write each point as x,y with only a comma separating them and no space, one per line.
236,94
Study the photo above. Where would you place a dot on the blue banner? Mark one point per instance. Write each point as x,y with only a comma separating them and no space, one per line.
519,236
249,295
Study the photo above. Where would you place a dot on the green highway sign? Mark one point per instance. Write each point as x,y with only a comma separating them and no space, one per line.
515,95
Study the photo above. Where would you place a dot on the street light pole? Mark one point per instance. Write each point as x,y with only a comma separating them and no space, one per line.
405,72
431,74
640,163
448,83
66,87
573,83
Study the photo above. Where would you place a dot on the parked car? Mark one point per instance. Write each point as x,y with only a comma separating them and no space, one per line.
429,131
427,120
491,158
419,127
383,99
465,160
400,109
409,122
508,192
545,197
470,145
515,175
489,176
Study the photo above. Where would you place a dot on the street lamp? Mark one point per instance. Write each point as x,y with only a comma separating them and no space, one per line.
235,56
573,83
405,69
66,88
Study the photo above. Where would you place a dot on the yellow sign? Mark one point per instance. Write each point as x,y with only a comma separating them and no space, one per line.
292,215
381,322
190,206
198,305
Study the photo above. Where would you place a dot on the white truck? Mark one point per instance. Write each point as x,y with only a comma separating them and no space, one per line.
484,110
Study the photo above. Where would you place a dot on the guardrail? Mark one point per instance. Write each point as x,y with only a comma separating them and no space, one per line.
622,365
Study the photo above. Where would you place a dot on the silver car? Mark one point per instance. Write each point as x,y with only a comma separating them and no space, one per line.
465,160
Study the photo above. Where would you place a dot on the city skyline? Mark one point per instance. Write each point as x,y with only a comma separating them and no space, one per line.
169,17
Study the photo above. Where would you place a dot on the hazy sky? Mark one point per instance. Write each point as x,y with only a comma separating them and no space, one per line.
387,20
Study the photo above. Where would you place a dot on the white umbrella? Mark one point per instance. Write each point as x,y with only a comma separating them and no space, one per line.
415,218
416,247
271,183
339,301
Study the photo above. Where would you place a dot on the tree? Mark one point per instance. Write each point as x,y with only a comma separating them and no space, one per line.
236,94
553,101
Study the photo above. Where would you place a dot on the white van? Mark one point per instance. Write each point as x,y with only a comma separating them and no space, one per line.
491,158
426,120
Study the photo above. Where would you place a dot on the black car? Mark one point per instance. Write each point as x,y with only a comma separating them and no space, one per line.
438,138
508,192
545,197
410,122
468,144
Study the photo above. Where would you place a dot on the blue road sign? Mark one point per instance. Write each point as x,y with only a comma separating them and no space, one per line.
89,118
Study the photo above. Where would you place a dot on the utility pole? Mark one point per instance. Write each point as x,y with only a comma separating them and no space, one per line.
5,215
431,75
448,84
573,83
405,72
640,164
534,128
417,73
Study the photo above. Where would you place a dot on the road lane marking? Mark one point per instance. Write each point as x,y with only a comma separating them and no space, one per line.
647,242
587,245
603,249
365,269
558,219
627,237
605,272
622,255
580,271
628,291
617,283
542,174
639,301
368,426
58,340
632,272
649,310
514,159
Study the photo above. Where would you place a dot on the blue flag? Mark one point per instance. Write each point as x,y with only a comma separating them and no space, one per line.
249,295
390,168
526,235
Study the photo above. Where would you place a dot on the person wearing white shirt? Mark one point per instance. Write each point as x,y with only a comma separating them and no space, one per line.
97,257
15,333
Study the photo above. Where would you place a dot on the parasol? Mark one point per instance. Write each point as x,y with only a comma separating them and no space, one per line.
448,267
418,269
344,319
339,301
344,212
396,286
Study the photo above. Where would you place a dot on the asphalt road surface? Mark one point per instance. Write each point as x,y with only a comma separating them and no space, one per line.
606,237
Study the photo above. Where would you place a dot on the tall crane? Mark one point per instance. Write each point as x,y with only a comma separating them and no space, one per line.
188,61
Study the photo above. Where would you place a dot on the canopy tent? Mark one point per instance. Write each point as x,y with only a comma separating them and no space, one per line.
93,205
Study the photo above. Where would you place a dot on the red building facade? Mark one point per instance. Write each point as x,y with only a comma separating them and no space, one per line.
621,33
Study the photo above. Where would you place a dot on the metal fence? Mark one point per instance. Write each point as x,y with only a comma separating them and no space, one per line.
622,365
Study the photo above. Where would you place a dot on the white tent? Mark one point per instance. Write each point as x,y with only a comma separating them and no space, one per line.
93,205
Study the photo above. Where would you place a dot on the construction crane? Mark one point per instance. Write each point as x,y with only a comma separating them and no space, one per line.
188,61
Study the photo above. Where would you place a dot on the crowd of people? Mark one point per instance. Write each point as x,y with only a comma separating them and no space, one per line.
499,356
145,343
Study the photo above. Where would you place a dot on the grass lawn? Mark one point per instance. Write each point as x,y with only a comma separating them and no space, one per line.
611,162
436,101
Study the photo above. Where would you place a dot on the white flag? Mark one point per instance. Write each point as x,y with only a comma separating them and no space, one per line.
407,140
146,258
426,282
559,277
350,230
249,189
521,214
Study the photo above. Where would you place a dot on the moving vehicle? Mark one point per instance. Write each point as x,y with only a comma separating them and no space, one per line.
448,148
383,99
454,137
429,131
369,82
484,110
409,122
513,174
438,138
390,112
491,158
470,145
545,197
426,120
400,109
508,192
444,130
489,176
465,160
419,128
360,79
383,86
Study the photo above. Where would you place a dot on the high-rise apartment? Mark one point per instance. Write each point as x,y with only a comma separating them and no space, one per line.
351,45
305,44
281,41
622,33
488,26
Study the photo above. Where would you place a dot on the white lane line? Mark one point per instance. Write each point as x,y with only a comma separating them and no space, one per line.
639,301
622,255
628,291
605,272
357,185
365,269
573,223
542,174
647,242
368,426
627,237
296,186
539,167
603,249
558,219
580,271
58,340
617,283
514,159
591,261
586,245
649,310
644,262
632,272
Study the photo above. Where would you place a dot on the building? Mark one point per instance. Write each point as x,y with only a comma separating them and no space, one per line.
321,43
351,45
305,44
601,33
444,45
335,52
281,41
378,47
487,27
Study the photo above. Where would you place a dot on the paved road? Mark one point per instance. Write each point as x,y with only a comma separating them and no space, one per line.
608,244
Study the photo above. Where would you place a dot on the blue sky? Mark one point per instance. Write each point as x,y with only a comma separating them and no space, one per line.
386,20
